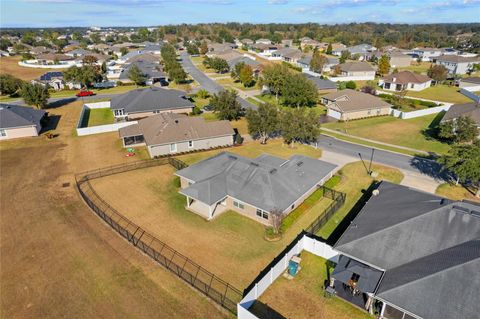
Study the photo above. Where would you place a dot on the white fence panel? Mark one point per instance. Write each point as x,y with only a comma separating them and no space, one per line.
352,78
319,248
414,114
264,283
243,313
98,105
470,95
33,64
103,128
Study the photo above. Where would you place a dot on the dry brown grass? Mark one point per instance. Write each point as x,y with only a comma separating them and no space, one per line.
57,258
9,65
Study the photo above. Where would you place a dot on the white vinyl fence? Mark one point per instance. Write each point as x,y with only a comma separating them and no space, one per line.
82,131
413,114
470,95
307,243
34,64
351,78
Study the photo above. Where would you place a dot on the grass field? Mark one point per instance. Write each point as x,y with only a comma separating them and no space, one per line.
58,258
229,82
442,93
414,133
354,180
303,298
421,67
9,65
456,192
94,117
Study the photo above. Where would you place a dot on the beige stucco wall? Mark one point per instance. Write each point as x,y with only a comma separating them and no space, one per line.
398,62
20,132
134,116
158,150
365,113
248,211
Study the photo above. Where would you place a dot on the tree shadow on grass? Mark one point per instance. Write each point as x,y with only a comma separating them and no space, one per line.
431,132
61,102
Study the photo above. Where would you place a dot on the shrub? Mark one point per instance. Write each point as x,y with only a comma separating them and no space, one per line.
351,85
196,111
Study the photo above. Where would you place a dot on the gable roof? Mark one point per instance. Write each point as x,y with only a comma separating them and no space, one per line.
350,100
356,67
149,69
51,75
428,246
151,99
457,59
467,109
146,57
473,79
166,128
321,84
405,77
17,116
244,59
263,182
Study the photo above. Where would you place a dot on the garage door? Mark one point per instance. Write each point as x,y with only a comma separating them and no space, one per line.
335,114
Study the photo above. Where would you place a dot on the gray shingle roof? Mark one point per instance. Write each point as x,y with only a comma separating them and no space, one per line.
244,59
145,100
351,101
149,69
17,116
260,182
471,110
428,246
322,84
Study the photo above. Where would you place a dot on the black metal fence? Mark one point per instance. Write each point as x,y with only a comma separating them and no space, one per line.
206,282
338,201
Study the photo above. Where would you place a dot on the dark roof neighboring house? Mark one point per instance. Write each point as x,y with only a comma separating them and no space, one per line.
152,47
356,67
471,110
405,77
352,101
307,59
427,246
147,57
266,183
322,84
457,59
80,52
151,99
18,116
360,48
48,76
55,56
166,128
150,70
244,59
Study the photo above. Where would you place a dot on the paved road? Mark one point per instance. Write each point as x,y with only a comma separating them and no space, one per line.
416,165
206,82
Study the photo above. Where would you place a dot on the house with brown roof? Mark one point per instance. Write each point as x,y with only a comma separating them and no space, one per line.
170,133
349,104
354,71
405,80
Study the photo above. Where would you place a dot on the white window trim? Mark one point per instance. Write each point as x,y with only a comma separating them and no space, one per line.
237,204
173,150
3,133
119,112
190,144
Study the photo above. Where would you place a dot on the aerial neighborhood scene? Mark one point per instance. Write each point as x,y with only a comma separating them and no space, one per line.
266,159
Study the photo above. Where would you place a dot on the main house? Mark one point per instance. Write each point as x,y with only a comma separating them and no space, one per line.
141,103
351,105
405,80
410,254
457,64
252,187
355,71
170,133
18,121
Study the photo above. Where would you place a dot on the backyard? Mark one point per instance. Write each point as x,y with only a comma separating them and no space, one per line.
302,297
419,67
94,117
442,93
416,133
405,104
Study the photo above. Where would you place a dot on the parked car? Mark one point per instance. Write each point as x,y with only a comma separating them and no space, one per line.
163,82
84,93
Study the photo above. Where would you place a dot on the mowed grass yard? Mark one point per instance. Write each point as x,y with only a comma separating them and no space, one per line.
60,260
94,117
456,192
442,93
9,65
415,133
231,245
302,297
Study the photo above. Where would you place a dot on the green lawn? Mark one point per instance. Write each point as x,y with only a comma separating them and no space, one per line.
442,93
253,101
235,84
303,296
421,67
413,133
354,179
95,117
456,192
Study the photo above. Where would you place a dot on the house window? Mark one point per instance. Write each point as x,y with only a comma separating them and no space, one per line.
369,112
173,147
412,85
190,144
3,133
261,213
293,206
119,112
387,86
238,204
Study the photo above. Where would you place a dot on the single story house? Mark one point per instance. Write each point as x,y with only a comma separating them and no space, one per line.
291,55
55,58
357,71
79,53
305,61
457,64
360,49
252,187
426,54
142,103
471,110
248,61
351,105
264,41
152,71
405,80
411,254
471,84
153,48
19,121
323,85
397,59
287,42
53,79
263,49
170,133
220,47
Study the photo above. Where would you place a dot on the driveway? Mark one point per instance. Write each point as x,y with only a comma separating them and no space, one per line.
206,82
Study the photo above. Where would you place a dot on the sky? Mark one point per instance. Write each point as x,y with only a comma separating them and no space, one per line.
61,13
